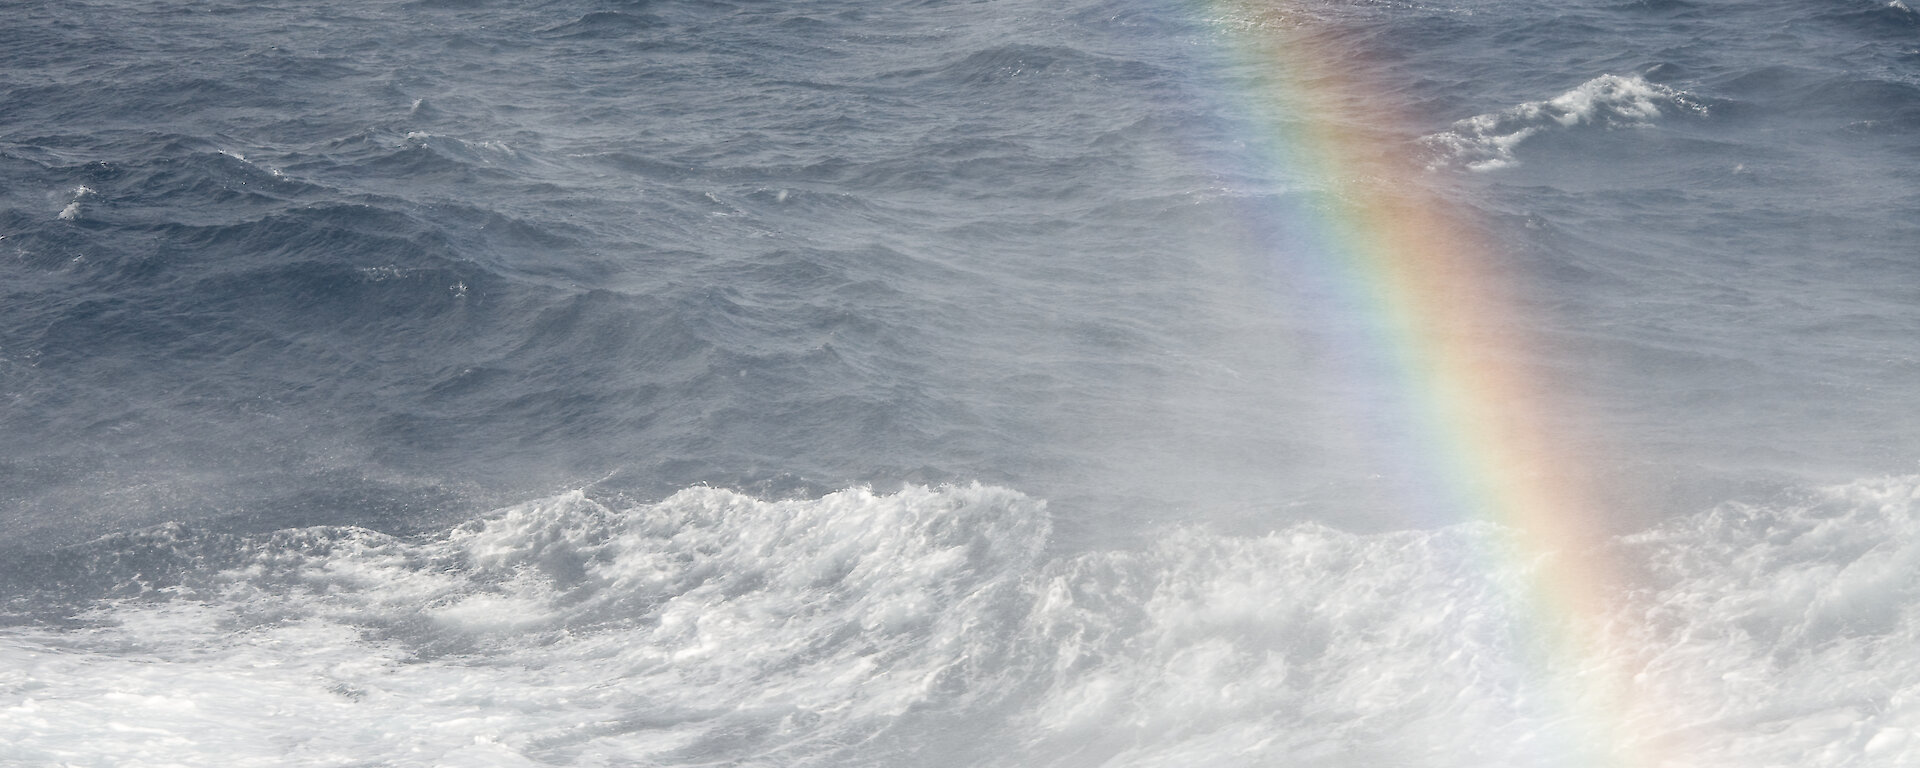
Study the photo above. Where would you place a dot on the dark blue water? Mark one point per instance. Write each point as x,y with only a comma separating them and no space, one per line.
672,382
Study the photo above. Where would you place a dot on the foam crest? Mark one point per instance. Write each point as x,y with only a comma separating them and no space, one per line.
73,209
1486,142
1796,627
1765,634
927,628
1308,647
708,625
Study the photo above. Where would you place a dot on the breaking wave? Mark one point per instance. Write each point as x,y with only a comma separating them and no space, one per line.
1488,141
935,626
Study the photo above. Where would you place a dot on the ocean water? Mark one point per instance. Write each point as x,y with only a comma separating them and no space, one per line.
686,382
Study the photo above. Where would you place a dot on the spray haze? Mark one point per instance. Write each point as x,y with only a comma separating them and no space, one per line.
1115,383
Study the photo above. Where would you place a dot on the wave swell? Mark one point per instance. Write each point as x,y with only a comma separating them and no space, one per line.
932,627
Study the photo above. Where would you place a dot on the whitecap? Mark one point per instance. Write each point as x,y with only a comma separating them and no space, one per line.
863,629
1488,141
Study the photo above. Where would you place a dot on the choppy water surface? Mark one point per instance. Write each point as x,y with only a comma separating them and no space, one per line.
838,383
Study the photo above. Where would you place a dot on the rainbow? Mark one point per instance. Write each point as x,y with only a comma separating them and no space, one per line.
1428,316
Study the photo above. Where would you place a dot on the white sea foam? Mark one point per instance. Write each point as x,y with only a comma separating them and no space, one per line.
1794,631
480,151
1486,142
559,631
73,210
929,628
1786,635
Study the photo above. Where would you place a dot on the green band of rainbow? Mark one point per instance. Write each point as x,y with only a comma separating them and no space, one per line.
1430,317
